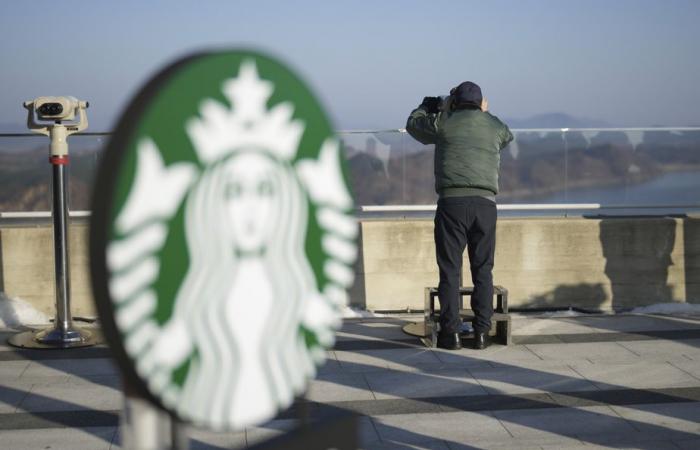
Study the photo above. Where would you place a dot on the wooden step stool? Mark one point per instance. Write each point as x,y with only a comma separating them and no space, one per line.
500,314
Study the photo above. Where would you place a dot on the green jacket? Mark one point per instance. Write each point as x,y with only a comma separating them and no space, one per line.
468,144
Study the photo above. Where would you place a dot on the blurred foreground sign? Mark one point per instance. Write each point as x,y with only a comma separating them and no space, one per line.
222,239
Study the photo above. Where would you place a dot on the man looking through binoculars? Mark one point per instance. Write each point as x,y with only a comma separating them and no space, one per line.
468,141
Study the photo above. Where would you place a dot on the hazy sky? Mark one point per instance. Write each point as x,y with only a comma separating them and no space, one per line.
630,63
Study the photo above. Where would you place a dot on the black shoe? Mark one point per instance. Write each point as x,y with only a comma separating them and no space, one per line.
449,341
481,340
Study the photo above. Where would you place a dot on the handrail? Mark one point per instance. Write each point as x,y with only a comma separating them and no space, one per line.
416,208
526,207
88,133
39,214
403,130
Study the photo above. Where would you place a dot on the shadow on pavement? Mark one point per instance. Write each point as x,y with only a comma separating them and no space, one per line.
525,410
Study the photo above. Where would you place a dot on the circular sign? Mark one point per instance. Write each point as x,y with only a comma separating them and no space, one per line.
222,239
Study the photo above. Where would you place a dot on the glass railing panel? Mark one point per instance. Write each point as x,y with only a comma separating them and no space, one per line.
85,153
633,168
419,179
25,172
389,168
674,157
533,167
611,167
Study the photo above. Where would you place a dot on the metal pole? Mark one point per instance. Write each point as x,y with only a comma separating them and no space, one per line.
64,321
179,437
63,334
143,425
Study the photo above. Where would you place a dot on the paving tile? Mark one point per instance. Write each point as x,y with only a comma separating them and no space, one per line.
511,445
517,380
484,403
606,397
587,423
352,345
387,384
107,381
387,406
46,381
635,322
10,397
371,331
394,321
269,430
209,440
595,351
331,365
81,418
666,350
690,367
258,434
536,365
639,441
549,326
68,397
687,444
653,444
399,359
469,358
73,367
674,420
636,375
333,387
456,427
452,365
12,369
95,438
368,432
406,378
4,346
436,444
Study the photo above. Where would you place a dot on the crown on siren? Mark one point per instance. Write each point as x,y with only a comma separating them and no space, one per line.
248,124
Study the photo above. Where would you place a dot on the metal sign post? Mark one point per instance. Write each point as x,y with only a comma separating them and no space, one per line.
143,425
57,109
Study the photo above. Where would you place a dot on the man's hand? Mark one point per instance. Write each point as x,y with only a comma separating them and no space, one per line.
431,104
484,104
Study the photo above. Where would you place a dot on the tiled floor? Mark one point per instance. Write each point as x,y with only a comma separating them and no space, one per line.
626,389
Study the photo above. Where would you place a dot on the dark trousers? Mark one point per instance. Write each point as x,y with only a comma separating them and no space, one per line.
470,222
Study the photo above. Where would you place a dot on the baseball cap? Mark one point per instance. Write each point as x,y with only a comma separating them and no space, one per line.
468,93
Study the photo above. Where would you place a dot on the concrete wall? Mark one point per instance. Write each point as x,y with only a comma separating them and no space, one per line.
613,263
590,263
27,267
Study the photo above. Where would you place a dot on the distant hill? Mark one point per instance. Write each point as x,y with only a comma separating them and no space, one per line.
555,120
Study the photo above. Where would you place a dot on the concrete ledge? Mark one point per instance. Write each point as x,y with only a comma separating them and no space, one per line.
596,263
27,267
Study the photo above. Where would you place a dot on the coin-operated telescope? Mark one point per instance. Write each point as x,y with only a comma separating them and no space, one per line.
48,116
57,110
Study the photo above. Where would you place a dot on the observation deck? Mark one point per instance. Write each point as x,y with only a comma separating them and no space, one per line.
600,219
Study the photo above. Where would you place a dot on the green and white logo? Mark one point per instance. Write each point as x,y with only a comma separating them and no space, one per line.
223,239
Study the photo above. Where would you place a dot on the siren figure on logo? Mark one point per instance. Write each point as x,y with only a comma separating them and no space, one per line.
250,298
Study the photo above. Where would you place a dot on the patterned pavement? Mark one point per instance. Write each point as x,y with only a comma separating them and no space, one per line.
603,381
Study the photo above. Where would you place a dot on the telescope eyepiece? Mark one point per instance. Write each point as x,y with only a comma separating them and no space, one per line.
50,109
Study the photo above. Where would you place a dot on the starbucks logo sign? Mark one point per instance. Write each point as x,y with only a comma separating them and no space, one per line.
222,239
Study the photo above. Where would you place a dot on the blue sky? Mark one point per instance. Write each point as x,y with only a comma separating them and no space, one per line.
629,63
